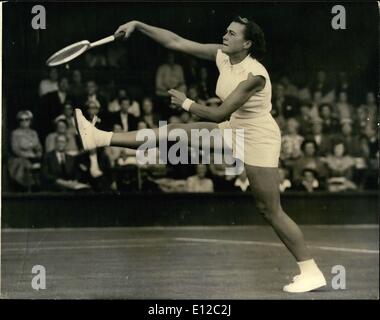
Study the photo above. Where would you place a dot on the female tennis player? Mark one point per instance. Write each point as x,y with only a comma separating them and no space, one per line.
244,87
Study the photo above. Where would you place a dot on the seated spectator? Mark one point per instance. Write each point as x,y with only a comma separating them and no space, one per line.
290,89
309,181
329,122
26,153
59,169
127,121
95,170
315,103
322,140
304,119
92,113
68,117
283,105
370,107
343,83
92,94
113,153
322,84
291,142
114,105
199,182
351,141
285,183
50,84
361,120
185,117
372,139
343,108
340,169
192,70
51,106
222,182
62,129
77,89
309,160
148,115
169,76
241,182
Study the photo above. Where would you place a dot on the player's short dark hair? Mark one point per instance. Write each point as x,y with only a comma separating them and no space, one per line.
254,33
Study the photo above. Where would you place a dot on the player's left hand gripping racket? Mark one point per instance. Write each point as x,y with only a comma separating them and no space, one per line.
76,49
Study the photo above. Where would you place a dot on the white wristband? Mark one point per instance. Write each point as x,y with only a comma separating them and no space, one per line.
187,103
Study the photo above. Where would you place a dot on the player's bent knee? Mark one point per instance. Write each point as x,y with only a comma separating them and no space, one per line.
269,211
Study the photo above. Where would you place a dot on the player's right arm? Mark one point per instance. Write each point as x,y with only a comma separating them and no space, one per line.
171,40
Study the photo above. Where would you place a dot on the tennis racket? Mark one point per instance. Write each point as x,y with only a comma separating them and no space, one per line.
76,49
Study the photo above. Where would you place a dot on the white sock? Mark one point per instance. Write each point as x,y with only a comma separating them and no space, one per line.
308,266
103,138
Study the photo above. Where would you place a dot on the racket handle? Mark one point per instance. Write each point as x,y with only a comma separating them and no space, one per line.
118,36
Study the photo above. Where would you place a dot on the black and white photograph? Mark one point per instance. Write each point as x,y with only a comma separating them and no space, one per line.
190,151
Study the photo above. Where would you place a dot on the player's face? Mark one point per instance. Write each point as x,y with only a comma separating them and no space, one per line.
233,40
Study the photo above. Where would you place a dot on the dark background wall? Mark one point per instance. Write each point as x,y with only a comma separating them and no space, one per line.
299,36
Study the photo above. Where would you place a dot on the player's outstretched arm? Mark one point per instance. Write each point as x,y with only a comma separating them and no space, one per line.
171,40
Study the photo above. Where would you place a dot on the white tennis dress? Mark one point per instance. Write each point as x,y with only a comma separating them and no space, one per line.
262,137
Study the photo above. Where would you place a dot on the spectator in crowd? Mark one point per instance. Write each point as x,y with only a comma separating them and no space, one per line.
114,105
315,103
373,142
113,153
51,106
26,152
204,86
329,122
96,170
285,106
308,160
92,113
361,120
222,182
148,115
343,84
340,169
290,89
50,84
344,109
199,182
169,76
127,121
77,89
322,140
185,117
285,184
68,117
309,181
321,84
370,107
351,141
59,169
304,119
62,129
291,142
91,94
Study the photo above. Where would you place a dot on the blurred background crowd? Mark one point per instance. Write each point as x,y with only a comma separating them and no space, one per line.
329,141
324,98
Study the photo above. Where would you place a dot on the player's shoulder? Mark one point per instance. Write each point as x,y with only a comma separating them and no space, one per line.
256,68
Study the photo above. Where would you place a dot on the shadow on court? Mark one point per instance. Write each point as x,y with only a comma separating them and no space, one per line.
183,262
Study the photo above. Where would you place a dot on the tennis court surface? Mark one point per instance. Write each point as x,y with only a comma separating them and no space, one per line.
183,262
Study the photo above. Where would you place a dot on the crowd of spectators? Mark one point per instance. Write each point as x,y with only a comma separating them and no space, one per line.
330,141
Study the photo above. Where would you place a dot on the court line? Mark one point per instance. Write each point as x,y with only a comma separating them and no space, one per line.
148,228
274,244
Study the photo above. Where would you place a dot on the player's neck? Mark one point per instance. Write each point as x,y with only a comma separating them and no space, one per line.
237,57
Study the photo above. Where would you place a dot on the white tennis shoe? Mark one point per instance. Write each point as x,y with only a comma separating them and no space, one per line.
86,131
306,282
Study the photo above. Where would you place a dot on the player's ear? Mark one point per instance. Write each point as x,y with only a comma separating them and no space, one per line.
247,44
